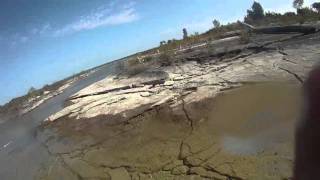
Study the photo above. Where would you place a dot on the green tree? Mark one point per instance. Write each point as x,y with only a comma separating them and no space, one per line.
162,43
255,13
316,6
306,12
298,4
185,33
291,14
31,91
216,23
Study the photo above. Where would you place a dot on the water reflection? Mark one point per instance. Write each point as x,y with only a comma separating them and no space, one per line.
255,118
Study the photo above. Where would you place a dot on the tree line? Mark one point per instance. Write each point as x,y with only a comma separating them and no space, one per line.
256,15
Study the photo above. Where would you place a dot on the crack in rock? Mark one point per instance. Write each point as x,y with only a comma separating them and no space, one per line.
211,169
292,73
285,59
61,160
187,115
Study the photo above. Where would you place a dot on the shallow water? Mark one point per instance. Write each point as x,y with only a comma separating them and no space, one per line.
249,128
246,121
255,118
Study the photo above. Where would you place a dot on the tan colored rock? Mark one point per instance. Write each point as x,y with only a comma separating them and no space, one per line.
184,151
204,173
119,173
59,171
172,165
189,177
145,94
168,83
135,176
180,170
179,78
85,170
193,161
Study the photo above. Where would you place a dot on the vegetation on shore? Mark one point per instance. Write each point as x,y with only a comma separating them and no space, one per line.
164,54
255,16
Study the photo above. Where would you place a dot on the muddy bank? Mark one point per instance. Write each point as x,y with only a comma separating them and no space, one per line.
245,133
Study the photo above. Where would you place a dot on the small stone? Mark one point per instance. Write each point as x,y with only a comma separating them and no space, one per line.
144,176
173,164
193,161
179,78
168,83
179,170
198,170
145,94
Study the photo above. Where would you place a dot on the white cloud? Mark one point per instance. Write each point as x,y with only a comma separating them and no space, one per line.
17,39
34,31
24,39
42,30
99,19
110,15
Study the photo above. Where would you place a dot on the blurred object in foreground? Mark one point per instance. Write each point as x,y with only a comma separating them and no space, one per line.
308,132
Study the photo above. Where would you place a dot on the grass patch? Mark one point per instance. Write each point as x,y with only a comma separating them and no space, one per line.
165,59
134,66
244,37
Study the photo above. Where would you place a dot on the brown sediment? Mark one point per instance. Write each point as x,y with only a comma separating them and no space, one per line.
244,133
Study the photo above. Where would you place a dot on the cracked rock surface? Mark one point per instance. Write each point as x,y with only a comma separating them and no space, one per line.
207,116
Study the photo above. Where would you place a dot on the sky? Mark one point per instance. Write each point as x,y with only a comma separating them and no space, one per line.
42,41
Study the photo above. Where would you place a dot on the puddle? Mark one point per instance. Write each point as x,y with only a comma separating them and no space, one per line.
255,118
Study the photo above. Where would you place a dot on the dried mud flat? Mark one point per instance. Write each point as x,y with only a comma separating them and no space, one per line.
212,115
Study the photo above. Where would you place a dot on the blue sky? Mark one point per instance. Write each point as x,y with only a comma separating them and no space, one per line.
42,41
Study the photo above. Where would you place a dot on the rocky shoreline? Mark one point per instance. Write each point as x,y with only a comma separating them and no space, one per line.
163,123
25,104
